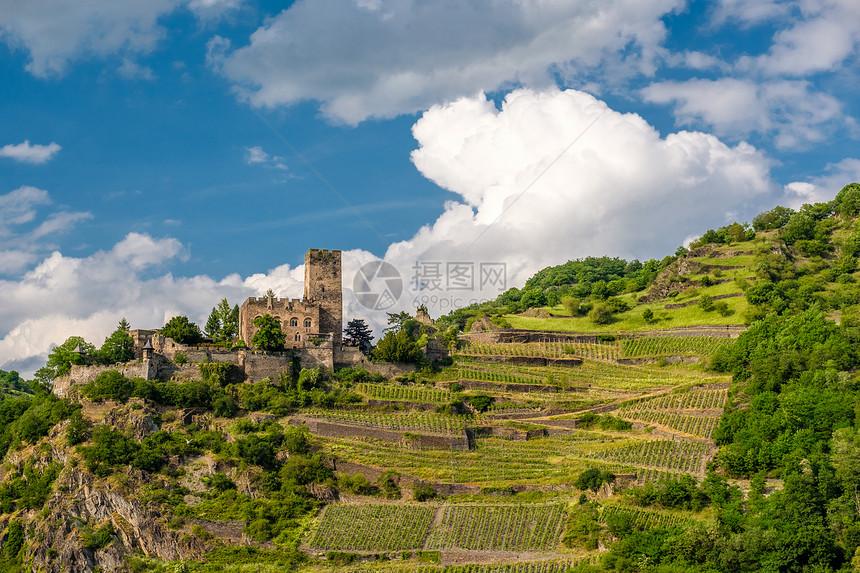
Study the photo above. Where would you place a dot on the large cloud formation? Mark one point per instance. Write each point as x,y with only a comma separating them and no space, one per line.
554,175
382,58
54,32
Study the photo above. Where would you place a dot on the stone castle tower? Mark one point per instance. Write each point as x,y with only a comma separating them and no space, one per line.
318,313
323,287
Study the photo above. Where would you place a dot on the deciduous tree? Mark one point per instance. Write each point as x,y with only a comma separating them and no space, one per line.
182,330
269,335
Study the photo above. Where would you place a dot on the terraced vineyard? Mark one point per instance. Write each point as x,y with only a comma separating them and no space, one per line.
701,426
682,399
555,349
674,455
373,527
628,377
553,566
499,527
557,459
404,393
401,421
667,345
695,412
692,399
487,375
594,351
643,518
538,567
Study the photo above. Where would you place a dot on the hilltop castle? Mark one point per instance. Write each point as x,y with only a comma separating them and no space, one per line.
313,326
317,317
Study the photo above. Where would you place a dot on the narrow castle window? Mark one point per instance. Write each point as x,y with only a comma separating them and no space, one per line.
294,321
307,323
298,337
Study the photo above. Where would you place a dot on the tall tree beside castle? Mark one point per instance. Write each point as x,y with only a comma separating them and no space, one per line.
357,333
118,347
223,322
182,330
62,357
269,335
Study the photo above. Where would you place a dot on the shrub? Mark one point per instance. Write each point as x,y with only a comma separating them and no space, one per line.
180,358
387,482
481,402
78,429
218,482
200,532
341,558
357,484
423,492
600,314
224,406
593,479
615,304
109,385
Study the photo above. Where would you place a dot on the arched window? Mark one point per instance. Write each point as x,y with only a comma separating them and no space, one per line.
294,321
307,323
298,337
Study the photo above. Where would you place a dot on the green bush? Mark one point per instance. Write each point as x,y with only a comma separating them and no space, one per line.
387,482
481,402
109,385
14,539
224,406
423,492
341,558
357,484
593,479
601,313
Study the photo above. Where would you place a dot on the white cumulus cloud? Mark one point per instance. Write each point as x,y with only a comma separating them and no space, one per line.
821,38
388,57
792,112
29,153
55,32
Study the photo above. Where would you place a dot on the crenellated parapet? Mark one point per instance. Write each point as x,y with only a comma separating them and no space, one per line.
307,321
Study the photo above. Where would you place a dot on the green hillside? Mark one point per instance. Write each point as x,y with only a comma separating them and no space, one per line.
707,422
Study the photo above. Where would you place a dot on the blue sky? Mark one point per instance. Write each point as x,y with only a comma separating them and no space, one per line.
158,156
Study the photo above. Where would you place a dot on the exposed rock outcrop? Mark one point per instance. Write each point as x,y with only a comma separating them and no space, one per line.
83,503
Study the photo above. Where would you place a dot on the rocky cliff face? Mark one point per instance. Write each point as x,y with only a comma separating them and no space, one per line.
83,504
64,534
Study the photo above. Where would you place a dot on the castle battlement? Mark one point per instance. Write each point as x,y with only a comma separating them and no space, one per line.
277,302
318,312
325,252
